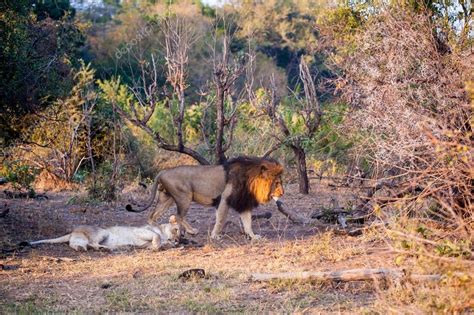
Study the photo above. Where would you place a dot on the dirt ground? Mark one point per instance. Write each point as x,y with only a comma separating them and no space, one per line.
56,278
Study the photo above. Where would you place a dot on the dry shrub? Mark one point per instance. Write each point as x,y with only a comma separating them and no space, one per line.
414,115
452,296
414,118
47,181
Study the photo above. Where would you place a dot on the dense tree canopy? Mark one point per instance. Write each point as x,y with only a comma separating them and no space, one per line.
41,42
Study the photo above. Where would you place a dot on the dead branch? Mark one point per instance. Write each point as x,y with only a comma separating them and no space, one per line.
349,275
266,215
342,220
227,70
24,195
294,217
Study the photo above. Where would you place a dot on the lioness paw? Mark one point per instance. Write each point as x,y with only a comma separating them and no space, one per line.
192,231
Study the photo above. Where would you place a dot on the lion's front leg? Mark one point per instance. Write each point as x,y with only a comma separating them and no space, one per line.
155,242
221,213
246,218
221,216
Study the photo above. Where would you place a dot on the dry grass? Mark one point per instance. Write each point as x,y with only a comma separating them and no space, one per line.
146,281
143,280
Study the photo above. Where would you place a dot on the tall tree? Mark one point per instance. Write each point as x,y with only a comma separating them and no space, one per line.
305,114
36,58
152,96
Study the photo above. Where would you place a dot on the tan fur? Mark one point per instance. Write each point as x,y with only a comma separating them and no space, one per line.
206,184
148,236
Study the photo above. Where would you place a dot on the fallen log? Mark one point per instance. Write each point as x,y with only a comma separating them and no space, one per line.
4,213
266,215
293,216
349,275
24,195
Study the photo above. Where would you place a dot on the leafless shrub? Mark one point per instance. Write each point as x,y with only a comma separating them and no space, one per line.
413,117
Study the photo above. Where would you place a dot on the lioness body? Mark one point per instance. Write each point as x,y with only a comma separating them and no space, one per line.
242,183
147,236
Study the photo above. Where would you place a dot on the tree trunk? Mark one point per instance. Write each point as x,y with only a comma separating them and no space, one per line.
303,181
220,158
180,118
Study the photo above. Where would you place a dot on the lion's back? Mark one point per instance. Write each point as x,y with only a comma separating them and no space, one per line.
204,182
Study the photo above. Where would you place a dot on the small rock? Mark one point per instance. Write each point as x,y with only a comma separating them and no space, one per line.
105,285
192,273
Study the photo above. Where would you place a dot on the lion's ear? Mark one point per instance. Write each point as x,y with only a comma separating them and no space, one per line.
279,169
264,170
173,219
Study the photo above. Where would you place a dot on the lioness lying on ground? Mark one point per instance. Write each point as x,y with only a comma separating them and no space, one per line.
147,236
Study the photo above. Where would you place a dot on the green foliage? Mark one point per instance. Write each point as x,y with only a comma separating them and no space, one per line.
192,123
37,56
101,186
55,9
62,134
329,141
115,93
454,248
21,175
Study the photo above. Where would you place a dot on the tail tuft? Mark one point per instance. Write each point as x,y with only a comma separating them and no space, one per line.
129,208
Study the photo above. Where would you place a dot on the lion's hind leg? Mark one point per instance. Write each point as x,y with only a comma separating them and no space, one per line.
78,241
221,213
183,207
164,202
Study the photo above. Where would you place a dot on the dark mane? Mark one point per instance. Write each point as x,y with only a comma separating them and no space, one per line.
250,160
238,170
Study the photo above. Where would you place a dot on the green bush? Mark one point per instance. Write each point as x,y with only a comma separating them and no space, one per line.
21,175
103,185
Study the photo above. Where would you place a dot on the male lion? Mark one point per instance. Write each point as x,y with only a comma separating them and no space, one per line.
148,236
241,183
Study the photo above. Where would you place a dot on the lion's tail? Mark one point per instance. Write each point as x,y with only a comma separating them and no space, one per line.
61,239
150,201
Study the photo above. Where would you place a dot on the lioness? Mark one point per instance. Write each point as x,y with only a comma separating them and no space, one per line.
241,183
148,236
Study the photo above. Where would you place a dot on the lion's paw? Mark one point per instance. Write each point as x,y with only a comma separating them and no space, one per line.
256,238
216,237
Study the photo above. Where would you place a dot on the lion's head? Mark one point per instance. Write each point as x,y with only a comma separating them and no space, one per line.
255,181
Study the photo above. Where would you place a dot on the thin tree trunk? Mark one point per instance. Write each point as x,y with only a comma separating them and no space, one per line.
220,158
181,118
89,147
303,181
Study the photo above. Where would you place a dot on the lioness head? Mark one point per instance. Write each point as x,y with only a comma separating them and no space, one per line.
173,230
